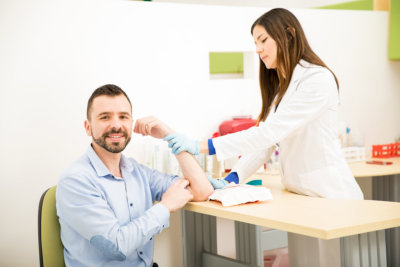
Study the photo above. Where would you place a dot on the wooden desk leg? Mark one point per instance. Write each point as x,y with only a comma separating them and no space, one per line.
252,241
199,242
199,234
313,252
248,243
354,251
387,188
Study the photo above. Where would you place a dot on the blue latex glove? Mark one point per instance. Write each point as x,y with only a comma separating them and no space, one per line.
179,143
255,182
216,183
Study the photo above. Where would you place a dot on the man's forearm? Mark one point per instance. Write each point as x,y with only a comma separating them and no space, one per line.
191,170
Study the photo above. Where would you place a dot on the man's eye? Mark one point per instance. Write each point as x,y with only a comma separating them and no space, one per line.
104,118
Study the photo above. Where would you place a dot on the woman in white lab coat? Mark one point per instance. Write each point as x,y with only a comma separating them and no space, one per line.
298,115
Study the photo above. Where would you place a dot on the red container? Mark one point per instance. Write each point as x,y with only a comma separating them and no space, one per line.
386,151
236,125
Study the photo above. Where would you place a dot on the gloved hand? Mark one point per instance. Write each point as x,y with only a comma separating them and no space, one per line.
179,142
216,183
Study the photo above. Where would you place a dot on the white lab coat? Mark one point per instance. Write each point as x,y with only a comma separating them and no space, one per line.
305,127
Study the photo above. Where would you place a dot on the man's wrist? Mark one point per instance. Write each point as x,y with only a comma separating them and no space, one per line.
168,132
166,205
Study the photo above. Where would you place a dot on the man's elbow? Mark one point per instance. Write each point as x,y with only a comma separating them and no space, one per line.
203,194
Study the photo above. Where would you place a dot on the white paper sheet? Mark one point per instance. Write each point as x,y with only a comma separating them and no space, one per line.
235,194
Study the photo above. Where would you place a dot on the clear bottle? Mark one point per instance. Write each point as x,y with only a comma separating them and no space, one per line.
276,160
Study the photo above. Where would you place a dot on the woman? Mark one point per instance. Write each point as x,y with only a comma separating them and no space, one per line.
299,112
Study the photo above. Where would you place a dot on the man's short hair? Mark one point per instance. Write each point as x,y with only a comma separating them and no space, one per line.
109,90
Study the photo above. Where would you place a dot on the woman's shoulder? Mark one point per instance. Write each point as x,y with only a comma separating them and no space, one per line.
303,64
307,70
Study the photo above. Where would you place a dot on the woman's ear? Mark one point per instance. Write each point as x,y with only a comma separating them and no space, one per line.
291,32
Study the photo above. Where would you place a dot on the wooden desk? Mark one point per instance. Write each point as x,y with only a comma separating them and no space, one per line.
315,217
316,226
362,169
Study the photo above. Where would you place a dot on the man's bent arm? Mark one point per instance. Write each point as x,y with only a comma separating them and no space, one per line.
199,184
191,170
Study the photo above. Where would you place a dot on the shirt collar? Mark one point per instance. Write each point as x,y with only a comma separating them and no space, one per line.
126,163
99,166
299,69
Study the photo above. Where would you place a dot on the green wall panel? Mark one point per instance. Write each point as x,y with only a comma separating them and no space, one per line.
353,5
394,30
394,21
226,62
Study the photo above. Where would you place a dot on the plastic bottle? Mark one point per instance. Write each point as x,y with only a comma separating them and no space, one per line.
347,138
276,160
156,158
209,165
173,165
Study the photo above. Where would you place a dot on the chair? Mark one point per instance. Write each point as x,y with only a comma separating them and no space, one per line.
51,249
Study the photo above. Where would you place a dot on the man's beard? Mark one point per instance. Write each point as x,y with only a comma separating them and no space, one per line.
114,147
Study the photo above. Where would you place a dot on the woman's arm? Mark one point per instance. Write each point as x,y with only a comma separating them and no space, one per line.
310,99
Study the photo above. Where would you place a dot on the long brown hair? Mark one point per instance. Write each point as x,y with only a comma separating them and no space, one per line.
292,46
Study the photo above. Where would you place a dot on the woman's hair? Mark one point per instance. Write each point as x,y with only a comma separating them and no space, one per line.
292,46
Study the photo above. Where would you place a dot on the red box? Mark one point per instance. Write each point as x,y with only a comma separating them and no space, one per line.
386,151
236,125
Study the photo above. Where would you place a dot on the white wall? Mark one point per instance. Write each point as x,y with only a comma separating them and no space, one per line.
53,54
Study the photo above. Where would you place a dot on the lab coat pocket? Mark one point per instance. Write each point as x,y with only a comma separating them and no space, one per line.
324,182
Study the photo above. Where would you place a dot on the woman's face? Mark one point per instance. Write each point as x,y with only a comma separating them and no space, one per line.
266,47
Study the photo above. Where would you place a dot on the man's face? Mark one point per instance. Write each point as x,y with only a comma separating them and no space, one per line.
110,123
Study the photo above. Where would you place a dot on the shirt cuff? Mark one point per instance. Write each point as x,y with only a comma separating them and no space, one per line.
162,214
232,177
211,149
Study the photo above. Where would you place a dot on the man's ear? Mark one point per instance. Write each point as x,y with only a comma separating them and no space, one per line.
87,128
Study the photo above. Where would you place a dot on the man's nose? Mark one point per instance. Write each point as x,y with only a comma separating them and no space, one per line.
116,123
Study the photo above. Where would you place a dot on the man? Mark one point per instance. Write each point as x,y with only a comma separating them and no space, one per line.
105,200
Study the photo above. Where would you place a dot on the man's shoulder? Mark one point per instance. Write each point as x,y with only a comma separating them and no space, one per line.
80,169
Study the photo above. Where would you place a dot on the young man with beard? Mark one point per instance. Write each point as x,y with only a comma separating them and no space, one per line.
105,200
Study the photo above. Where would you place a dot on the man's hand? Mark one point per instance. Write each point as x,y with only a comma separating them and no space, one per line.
176,196
152,126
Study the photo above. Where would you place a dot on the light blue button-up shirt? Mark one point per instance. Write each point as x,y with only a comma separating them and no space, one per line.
109,221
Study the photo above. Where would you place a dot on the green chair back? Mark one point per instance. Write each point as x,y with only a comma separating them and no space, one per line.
51,249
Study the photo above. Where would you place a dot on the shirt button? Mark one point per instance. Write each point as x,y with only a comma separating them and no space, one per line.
151,238
141,252
131,204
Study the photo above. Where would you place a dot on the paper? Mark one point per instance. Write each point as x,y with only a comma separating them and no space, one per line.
235,194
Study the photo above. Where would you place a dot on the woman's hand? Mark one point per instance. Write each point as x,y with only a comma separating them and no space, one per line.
217,183
179,143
